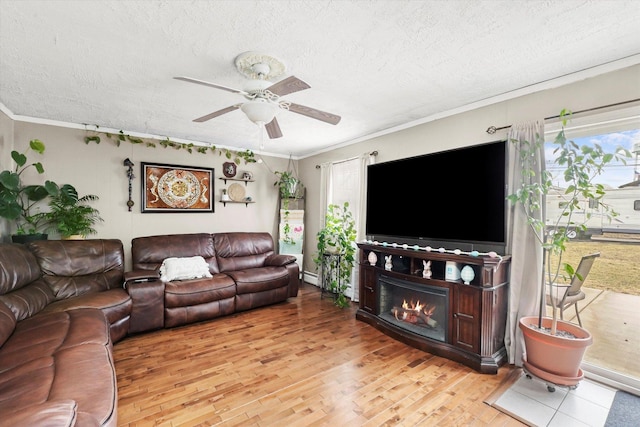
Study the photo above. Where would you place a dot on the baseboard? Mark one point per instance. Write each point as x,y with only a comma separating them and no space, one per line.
311,278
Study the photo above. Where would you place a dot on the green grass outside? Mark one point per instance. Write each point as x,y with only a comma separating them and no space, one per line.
617,269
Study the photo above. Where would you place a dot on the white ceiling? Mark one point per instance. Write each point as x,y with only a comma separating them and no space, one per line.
377,64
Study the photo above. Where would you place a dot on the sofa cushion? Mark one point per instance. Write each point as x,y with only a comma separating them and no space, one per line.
50,414
184,268
199,291
77,267
18,267
44,334
7,323
115,304
260,279
26,384
29,300
86,374
60,357
147,253
241,251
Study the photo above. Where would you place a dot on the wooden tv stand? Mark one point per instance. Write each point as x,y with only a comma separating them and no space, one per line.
477,311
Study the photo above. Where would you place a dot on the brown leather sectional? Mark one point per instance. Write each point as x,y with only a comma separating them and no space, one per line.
63,304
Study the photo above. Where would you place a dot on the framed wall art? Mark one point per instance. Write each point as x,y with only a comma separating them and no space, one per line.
173,188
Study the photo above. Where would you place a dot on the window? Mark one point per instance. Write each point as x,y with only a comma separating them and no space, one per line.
615,240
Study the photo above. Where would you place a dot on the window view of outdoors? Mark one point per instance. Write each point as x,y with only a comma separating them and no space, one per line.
610,310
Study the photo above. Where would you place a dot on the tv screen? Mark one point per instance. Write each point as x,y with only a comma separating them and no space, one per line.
455,197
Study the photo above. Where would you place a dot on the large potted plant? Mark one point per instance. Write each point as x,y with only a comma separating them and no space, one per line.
337,238
554,348
70,215
18,201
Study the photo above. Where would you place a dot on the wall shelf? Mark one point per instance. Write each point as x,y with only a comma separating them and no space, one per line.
225,179
246,181
224,202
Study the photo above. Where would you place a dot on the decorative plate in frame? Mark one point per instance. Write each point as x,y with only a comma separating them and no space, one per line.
172,188
179,189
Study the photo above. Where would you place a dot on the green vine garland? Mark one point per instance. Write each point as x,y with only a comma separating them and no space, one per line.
117,138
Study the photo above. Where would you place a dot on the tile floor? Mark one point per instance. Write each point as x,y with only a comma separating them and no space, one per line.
529,401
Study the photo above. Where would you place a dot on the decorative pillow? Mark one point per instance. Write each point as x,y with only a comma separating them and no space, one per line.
184,268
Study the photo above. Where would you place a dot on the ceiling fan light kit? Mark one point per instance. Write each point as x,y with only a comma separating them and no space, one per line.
263,98
260,111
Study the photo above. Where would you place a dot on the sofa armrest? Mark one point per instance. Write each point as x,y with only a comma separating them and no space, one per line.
137,276
279,260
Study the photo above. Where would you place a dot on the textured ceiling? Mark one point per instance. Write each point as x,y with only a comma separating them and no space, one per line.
378,64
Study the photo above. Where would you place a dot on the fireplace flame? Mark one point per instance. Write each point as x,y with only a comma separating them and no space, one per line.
415,313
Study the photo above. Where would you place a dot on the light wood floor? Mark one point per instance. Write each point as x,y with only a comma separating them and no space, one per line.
300,363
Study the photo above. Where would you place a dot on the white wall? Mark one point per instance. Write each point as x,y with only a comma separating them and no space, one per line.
98,169
468,128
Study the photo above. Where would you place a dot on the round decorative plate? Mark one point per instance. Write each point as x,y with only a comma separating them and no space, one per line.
236,192
179,188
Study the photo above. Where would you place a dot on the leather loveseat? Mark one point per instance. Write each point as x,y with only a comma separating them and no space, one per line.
62,306
245,273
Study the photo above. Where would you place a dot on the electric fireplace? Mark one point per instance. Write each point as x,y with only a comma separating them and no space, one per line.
419,308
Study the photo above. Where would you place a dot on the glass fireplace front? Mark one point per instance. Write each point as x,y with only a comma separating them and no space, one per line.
421,309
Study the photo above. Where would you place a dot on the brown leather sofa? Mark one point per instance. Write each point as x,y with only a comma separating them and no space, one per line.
62,306
246,273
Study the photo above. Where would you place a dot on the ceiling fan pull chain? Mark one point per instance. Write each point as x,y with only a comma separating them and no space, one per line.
261,130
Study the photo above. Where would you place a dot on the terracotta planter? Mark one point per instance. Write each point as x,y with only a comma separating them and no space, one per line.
558,356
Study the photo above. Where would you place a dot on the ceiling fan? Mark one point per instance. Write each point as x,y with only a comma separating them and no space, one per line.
263,100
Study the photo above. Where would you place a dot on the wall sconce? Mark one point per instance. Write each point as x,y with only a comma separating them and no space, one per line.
129,164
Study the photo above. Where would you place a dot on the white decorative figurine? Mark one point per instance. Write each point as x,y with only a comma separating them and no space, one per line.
426,272
388,265
373,258
467,274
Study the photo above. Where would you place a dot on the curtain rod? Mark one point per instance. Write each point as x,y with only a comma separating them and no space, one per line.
492,129
373,153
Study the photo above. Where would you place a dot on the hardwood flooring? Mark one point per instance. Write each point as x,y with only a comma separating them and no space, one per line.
304,362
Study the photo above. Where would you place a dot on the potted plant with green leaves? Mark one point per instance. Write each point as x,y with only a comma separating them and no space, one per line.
18,202
554,348
338,239
70,215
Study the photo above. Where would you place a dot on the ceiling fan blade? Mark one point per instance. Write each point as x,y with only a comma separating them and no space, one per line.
273,129
289,85
315,114
217,113
202,82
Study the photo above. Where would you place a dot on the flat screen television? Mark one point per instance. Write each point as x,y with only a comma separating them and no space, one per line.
454,199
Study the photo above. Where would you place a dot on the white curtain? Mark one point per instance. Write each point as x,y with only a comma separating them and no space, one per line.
525,250
345,181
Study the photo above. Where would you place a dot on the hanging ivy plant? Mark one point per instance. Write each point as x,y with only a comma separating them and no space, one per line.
118,138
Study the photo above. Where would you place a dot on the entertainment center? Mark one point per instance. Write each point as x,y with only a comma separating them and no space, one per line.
470,319
414,286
